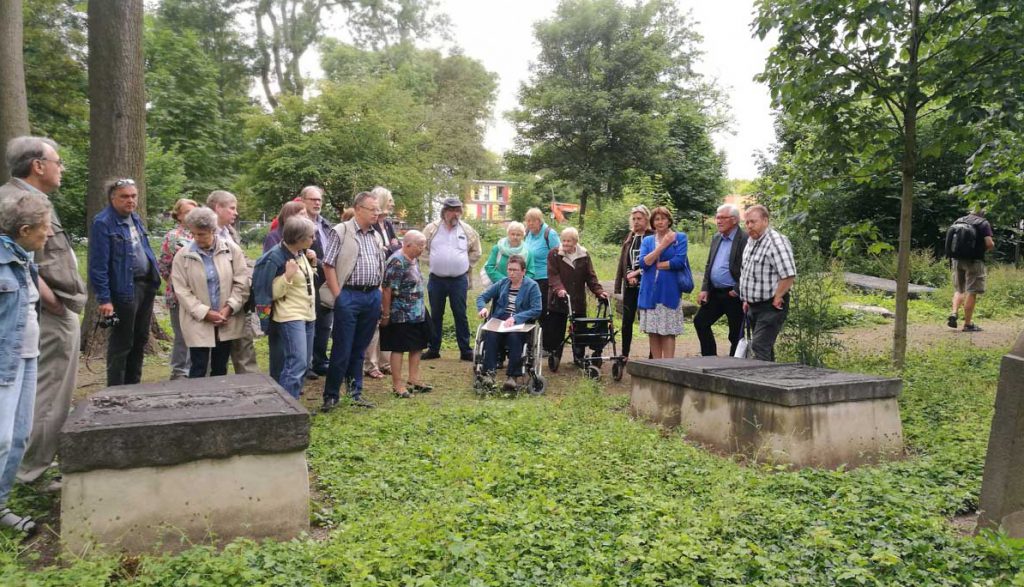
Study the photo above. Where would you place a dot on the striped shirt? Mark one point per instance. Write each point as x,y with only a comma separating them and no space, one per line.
369,267
766,261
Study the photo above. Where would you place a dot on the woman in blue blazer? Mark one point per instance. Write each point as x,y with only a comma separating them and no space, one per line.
663,260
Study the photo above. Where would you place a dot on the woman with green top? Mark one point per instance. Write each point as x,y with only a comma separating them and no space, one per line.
497,264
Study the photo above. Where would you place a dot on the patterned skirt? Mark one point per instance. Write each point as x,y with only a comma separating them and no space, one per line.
662,320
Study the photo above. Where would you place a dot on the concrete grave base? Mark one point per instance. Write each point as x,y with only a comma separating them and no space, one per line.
159,467
771,412
171,508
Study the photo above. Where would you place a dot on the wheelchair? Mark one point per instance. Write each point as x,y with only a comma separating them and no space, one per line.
586,332
534,383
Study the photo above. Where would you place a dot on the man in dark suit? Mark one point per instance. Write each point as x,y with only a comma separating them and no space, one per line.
719,292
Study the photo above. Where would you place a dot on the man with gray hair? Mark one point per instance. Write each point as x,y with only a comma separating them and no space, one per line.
225,205
36,167
312,197
769,271
719,292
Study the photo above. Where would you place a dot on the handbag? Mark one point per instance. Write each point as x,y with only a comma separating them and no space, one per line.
685,278
743,350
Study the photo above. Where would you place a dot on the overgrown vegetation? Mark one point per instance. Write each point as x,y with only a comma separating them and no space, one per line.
571,491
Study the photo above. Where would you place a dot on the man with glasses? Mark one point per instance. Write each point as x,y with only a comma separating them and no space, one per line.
124,276
719,293
35,166
453,247
353,268
312,197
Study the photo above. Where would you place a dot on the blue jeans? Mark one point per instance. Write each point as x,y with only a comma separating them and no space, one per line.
291,345
356,314
321,336
441,289
496,342
17,401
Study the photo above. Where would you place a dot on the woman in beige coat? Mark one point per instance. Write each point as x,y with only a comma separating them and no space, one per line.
211,281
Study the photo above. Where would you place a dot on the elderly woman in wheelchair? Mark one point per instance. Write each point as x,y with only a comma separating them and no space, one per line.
515,302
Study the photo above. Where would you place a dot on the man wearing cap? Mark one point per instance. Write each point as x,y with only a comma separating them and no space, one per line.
452,249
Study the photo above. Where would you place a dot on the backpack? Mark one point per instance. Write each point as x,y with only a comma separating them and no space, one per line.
963,239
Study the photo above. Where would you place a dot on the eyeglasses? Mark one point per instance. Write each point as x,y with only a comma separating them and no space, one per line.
376,211
59,162
123,182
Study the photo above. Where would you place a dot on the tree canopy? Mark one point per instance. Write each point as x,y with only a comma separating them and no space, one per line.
613,90
869,72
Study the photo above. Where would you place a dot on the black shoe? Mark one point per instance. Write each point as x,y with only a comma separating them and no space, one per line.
466,356
418,388
430,355
951,321
359,401
312,376
329,404
972,327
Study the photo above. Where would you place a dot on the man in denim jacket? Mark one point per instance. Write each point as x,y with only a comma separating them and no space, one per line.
123,274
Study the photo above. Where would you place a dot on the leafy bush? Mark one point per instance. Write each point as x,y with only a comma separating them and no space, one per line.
809,336
1004,293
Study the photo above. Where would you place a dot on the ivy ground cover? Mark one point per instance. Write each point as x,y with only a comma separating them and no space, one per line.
569,490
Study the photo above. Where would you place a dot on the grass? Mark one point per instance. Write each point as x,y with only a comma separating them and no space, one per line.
569,490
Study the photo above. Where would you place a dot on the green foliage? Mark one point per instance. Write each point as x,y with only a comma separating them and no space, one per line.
810,333
610,222
165,179
570,490
613,91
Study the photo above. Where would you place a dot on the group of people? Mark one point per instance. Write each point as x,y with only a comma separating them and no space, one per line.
353,286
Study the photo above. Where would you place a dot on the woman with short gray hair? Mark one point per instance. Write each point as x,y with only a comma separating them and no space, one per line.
293,316
211,281
24,228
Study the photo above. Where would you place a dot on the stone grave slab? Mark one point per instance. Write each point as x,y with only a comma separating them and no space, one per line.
1002,486
158,467
871,283
773,412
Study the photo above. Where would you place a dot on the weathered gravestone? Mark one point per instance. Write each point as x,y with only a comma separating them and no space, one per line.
1002,487
772,412
157,467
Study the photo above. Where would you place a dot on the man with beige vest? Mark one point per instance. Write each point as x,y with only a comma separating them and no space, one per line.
35,166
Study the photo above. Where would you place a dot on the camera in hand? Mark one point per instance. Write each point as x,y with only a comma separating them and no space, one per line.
108,321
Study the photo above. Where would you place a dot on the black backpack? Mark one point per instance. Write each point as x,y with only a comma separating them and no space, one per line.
964,240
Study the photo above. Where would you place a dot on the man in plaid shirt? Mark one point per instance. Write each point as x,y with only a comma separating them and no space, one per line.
769,270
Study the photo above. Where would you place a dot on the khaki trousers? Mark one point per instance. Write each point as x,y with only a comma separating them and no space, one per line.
243,351
59,347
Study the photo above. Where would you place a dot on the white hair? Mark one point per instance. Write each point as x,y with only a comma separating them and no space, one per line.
570,232
732,210
414,237
515,226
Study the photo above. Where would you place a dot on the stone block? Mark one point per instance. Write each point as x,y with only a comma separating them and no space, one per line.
1002,487
871,283
158,467
772,412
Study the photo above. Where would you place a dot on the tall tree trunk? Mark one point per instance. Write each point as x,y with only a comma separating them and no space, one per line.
13,101
908,171
583,208
117,115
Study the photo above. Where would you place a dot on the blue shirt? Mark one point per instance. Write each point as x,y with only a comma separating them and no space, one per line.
539,247
720,275
212,279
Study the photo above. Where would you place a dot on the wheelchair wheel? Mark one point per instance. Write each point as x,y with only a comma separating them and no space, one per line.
554,359
537,385
617,370
592,372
